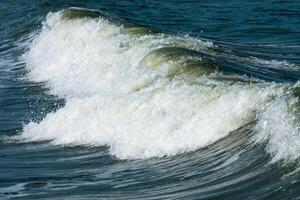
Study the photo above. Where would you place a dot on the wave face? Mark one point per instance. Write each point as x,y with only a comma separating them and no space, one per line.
95,106
146,94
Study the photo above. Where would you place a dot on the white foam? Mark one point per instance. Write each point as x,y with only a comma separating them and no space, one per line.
275,64
136,111
279,126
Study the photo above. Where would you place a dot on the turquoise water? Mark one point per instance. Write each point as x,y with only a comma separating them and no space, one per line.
149,100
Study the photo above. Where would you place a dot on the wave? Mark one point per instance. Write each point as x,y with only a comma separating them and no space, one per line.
143,93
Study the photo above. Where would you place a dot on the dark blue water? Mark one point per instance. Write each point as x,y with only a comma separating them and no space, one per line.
149,100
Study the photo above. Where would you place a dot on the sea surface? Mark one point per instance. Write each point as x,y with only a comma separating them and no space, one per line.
150,99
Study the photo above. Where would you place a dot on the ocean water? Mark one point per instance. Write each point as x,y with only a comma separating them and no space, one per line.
149,99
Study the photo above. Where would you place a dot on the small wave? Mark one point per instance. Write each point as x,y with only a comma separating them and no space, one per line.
13,191
275,64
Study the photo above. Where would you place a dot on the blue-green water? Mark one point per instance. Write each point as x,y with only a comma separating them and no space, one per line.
149,99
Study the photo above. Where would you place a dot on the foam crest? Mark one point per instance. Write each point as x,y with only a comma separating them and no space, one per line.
136,111
149,123
278,125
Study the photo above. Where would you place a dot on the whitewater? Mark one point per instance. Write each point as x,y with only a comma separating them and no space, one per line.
143,93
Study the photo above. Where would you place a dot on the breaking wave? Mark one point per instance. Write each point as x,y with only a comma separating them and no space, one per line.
143,93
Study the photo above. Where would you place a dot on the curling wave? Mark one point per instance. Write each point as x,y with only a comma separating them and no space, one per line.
146,94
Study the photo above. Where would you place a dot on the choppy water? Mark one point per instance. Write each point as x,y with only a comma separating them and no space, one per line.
149,100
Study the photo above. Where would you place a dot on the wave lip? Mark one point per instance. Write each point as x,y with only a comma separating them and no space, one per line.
143,95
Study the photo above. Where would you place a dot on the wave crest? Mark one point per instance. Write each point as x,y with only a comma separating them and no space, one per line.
115,98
